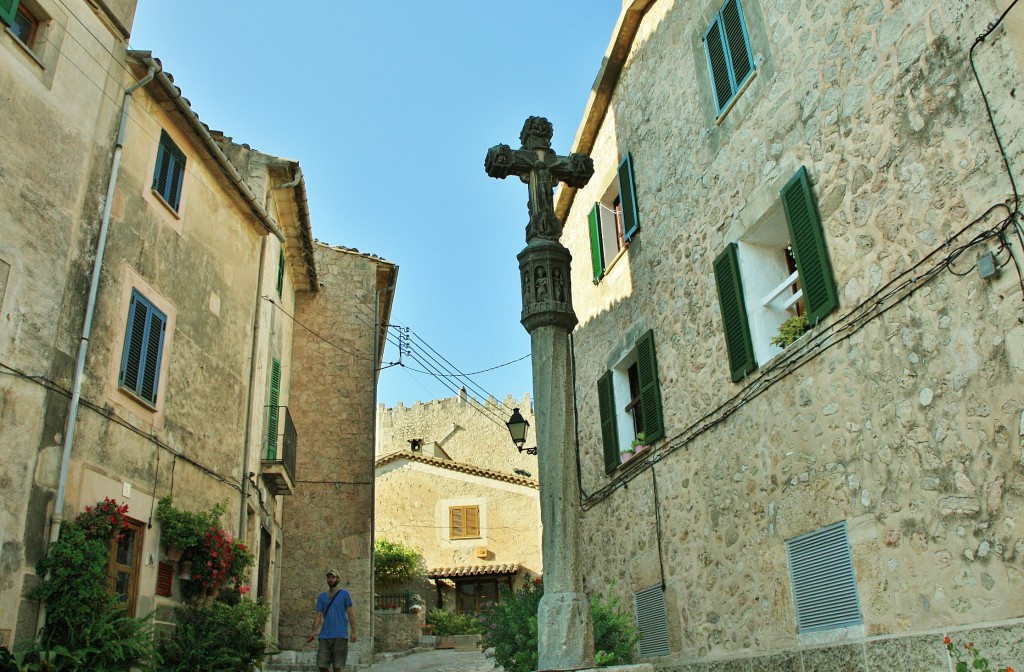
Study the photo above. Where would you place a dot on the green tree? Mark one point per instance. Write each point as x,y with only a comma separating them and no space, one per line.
395,563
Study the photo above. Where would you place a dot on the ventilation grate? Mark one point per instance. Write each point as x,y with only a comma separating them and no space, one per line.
824,586
652,621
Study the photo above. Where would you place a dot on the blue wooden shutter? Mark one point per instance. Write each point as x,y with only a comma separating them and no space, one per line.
143,349
627,198
169,173
650,391
809,249
714,49
280,273
273,411
734,313
609,429
596,254
8,10
740,61
824,584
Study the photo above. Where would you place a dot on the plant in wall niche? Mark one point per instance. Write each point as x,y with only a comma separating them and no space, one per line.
789,331
217,561
182,530
968,657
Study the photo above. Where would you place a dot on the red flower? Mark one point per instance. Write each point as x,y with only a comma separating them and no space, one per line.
947,640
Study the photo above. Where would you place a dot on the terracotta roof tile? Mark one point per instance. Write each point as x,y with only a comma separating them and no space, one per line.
472,570
456,466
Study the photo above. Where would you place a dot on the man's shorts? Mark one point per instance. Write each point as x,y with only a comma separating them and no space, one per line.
332,653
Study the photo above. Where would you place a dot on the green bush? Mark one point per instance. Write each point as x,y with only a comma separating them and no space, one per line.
791,330
395,563
185,529
217,638
510,628
447,623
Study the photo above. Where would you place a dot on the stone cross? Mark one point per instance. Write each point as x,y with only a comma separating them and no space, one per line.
565,629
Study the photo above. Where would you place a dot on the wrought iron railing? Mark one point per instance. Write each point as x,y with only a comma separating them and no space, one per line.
283,449
392,601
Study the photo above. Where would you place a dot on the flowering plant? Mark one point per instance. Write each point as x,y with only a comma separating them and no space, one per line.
104,519
975,661
217,560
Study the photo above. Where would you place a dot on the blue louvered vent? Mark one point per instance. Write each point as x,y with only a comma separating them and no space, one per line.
824,586
652,621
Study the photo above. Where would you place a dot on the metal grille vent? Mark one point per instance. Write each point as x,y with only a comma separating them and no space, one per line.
652,621
824,586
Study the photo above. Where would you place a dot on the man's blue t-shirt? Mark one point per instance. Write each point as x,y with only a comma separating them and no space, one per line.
336,620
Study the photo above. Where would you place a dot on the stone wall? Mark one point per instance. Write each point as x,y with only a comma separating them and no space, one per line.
395,632
329,520
901,413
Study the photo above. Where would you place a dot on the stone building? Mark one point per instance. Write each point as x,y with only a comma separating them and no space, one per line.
203,254
846,500
450,483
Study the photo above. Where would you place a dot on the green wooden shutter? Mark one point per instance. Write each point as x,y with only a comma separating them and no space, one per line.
734,313
8,9
273,410
596,255
134,341
809,250
143,349
650,391
627,197
736,39
280,273
609,429
714,49
150,382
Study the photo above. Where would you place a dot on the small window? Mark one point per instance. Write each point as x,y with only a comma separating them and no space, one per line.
727,48
464,522
25,26
280,274
143,345
123,565
274,410
169,173
824,585
614,220
779,270
629,402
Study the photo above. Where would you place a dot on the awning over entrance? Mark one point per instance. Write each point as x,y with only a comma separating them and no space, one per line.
472,570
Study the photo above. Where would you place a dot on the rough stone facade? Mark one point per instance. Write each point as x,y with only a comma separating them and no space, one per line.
466,458
900,413
329,521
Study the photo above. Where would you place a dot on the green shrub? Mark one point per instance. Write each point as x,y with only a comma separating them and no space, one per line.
447,623
218,637
395,563
789,331
510,628
185,529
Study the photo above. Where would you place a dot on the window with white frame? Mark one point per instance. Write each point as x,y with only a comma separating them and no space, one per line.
777,270
614,219
727,49
143,349
629,402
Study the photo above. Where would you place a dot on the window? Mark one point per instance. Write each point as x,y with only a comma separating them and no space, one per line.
614,220
169,174
274,409
143,346
280,274
727,48
24,24
473,596
464,522
777,269
634,382
824,585
124,563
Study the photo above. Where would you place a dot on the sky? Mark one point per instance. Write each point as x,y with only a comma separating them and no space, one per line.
390,106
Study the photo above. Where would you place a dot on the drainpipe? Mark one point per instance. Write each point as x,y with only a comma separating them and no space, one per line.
90,311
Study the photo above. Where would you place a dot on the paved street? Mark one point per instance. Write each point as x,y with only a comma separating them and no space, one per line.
448,660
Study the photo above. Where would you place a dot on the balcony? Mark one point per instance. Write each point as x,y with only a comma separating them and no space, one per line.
278,464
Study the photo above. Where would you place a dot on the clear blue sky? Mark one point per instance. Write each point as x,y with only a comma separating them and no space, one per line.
390,107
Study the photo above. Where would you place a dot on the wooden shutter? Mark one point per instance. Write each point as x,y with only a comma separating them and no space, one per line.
143,349
8,10
280,273
472,521
273,410
714,49
809,250
627,197
169,173
650,391
609,429
163,165
734,314
652,622
164,579
596,255
824,585
177,177
736,40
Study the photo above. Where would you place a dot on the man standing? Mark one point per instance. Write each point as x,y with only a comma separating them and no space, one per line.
334,623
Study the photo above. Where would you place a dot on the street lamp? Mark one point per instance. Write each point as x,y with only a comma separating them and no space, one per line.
517,427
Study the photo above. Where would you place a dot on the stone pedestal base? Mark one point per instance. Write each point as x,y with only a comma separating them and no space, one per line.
641,667
565,632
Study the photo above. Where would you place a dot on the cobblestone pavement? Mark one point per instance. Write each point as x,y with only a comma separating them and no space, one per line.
441,660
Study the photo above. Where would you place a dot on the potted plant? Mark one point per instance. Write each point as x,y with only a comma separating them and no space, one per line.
626,455
640,443
183,530
791,330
